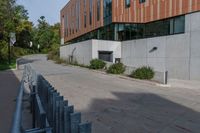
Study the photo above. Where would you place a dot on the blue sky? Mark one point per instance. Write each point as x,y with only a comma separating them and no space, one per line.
48,8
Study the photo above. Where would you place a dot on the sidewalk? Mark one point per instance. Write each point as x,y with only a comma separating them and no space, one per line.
187,84
9,84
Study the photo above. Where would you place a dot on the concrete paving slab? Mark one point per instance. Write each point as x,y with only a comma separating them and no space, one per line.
116,105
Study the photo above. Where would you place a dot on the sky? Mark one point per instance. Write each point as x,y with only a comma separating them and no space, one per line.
48,8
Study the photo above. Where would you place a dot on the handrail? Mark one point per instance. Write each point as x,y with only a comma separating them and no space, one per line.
50,112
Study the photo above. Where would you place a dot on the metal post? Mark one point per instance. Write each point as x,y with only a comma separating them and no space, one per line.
33,106
166,77
9,60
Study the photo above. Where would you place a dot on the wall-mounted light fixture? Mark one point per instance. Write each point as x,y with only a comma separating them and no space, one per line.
153,49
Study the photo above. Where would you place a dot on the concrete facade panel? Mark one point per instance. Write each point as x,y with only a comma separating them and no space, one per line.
195,44
81,52
177,46
126,52
195,21
195,69
177,68
100,45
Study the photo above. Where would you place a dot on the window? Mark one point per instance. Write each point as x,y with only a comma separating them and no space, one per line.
65,25
125,31
85,20
90,12
179,24
127,3
106,55
77,15
98,10
107,7
85,15
142,1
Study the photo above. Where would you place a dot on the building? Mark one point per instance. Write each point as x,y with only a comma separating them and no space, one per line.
163,34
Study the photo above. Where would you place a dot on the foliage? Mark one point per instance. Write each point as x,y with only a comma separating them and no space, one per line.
53,55
14,18
117,68
60,60
18,52
5,65
97,64
46,36
143,73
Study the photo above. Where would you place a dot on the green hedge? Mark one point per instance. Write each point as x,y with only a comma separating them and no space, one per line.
117,68
143,73
97,64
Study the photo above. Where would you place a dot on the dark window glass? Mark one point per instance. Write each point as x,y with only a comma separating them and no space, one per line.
85,15
127,3
142,1
124,32
179,24
98,10
158,28
107,7
90,12
106,56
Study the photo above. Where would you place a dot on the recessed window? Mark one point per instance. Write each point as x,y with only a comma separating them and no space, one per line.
179,24
98,10
142,1
85,17
127,3
90,12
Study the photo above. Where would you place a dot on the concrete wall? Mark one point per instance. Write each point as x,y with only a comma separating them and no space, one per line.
82,52
88,50
177,54
101,45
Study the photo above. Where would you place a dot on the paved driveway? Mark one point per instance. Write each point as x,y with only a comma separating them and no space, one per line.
116,105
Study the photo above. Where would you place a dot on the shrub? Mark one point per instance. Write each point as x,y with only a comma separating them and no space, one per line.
52,55
97,64
59,60
117,68
143,73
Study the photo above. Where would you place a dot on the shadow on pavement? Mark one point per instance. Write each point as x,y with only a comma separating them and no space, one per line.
23,61
9,87
141,113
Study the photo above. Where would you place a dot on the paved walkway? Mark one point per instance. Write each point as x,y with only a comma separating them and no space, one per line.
116,105
9,83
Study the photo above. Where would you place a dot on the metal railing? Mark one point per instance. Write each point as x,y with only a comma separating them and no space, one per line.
50,112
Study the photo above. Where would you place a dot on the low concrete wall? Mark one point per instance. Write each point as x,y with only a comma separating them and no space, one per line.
85,51
81,52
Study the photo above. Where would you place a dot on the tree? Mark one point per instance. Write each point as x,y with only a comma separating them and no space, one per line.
13,18
46,36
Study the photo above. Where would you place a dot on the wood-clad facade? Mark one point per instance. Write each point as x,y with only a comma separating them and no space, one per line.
152,10
79,17
73,13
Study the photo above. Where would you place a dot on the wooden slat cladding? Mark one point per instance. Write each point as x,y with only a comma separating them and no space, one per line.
148,11
70,12
152,10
